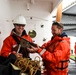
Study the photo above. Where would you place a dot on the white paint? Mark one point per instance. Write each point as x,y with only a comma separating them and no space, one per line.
67,3
72,41
40,12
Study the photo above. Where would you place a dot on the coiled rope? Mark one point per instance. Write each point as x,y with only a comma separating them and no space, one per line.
25,64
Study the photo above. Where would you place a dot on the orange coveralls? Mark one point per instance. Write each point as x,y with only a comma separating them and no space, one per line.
10,43
56,54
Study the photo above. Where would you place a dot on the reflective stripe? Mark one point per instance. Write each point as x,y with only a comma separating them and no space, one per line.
9,53
15,45
42,51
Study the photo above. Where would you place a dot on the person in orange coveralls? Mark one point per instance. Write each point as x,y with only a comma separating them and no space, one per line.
56,52
11,43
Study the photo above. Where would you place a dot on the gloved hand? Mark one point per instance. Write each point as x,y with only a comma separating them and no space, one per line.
33,49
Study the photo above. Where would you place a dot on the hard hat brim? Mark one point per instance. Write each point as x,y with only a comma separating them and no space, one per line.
19,24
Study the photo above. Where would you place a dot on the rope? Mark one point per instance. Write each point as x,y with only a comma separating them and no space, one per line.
32,66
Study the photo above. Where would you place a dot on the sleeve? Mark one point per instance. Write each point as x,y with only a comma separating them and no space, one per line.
6,48
45,44
60,52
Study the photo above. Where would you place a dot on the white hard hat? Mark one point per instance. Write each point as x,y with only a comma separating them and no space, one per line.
19,20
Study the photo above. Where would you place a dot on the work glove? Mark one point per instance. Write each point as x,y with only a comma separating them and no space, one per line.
33,49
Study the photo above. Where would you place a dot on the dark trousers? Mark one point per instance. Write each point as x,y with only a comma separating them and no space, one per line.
7,69
5,64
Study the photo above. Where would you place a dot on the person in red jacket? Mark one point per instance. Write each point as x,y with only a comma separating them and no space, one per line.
11,43
56,52
75,51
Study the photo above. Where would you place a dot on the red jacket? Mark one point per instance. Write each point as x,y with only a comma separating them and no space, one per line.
10,43
75,49
53,53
